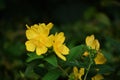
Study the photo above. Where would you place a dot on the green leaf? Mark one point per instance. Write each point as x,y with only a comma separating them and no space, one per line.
103,19
52,75
16,50
104,69
33,56
89,13
29,72
52,60
76,51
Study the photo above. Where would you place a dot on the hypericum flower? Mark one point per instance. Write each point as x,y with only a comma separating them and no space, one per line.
78,74
58,46
97,77
94,44
38,38
100,59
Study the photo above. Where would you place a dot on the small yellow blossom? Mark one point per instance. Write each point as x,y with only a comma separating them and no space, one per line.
78,74
97,77
38,38
94,44
58,46
100,59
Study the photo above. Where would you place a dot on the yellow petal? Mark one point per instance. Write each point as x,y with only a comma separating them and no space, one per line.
30,46
100,59
61,56
81,73
30,34
50,41
60,38
46,40
43,39
41,50
58,53
45,30
35,27
42,25
98,77
89,40
96,44
60,50
49,26
64,50
75,71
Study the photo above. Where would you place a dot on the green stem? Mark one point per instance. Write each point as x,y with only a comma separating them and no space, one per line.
87,71
88,68
63,70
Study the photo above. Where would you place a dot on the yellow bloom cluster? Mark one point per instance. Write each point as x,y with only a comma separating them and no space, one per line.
78,74
94,44
40,40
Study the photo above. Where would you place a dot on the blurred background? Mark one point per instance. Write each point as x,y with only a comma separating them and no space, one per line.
76,18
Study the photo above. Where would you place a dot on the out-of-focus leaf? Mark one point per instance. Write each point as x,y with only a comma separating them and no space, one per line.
52,60
103,19
33,56
89,13
90,27
108,56
105,69
29,72
15,50
108,3
52,75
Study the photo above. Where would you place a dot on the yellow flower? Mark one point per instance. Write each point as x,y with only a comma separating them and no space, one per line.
78,74
58,46
38,38
100,59
97,77
94,44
